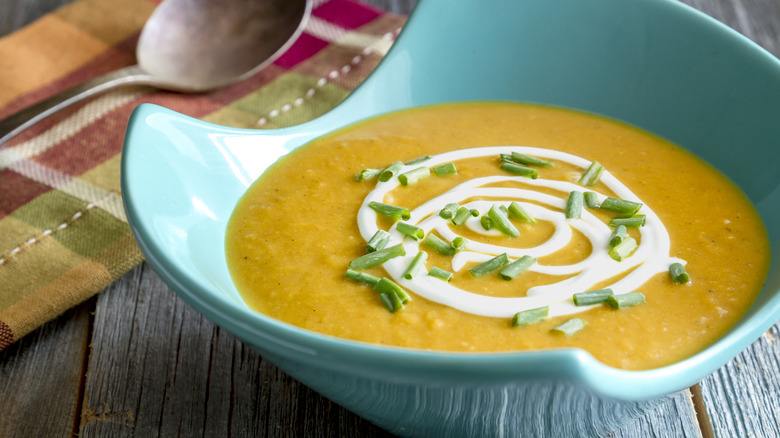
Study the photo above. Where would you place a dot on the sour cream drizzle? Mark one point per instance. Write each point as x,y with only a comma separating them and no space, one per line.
650,258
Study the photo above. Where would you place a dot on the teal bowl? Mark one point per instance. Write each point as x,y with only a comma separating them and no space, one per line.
655,64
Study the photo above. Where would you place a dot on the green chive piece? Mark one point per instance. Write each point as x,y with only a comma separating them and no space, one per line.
592,297
630,222
445,169
474,212
418,160
628,208
414,175
387,302
501,221
461,215
385,285
570,327
678,273
592,174
439,273
520,170
626,300
490,265
574,205
361,277
449,210
529,160
390,171
486,222
367,174
618,234
517,267
417,264
377,257
591,200
530,316
439,245
517,210
391,211
459,243
378,241
623,249
410,230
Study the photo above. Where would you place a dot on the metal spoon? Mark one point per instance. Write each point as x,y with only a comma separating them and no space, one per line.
190,46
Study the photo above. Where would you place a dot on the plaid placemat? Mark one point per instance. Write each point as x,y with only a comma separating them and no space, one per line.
63,231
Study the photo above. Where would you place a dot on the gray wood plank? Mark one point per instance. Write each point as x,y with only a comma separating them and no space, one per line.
158,368
743,397
41,378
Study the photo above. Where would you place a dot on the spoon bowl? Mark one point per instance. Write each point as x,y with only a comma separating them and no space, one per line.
189,46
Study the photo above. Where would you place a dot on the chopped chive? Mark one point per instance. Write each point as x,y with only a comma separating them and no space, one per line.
618,234
391,211
385,285
377,257
390,171
592,174
630,222
517,210
378,241
530,316
592,297
449,210
410,230
367,174
445,169
361,277
520,170
490,265
418,160
529,160
458,243
517,267
678,273
626,300
461,215
387,302
417,263
628,208
574,205
623,249
591,200
414,175
439,273
486,222
474,212
570,327
501,221
438,244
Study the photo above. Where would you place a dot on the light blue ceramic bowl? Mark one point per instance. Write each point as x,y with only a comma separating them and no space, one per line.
656,64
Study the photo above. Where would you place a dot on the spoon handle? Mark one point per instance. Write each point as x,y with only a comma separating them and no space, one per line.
18,122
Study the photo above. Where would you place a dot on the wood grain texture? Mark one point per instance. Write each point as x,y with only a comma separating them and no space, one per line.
41,378
157,368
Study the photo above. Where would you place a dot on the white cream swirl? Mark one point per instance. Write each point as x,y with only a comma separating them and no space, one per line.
650,258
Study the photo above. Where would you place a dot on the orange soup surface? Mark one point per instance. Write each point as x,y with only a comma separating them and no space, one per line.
527,238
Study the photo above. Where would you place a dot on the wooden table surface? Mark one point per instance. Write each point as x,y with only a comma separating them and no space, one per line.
137,361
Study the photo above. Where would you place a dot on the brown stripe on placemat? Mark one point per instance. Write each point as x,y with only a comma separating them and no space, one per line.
6,335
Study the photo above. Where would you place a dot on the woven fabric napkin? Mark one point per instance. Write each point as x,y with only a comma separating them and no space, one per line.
63,231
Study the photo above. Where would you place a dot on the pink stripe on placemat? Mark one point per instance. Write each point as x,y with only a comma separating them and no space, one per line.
346,14
304,48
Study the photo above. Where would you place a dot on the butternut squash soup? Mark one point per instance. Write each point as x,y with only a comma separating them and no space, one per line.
487,227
